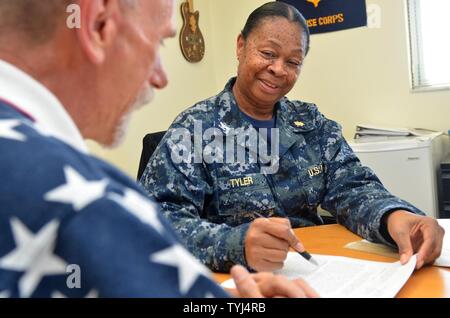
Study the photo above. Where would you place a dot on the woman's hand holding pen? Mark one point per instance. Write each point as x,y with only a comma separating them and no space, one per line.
267,243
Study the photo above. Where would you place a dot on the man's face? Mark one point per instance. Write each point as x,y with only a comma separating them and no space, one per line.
134,68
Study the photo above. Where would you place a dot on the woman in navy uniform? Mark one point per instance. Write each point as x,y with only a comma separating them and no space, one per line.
250,152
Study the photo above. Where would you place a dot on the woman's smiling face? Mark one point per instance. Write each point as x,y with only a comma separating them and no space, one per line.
270,61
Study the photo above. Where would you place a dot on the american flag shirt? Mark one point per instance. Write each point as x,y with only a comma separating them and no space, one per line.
72,225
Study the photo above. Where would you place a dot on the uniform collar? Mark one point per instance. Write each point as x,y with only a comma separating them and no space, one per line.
228,116
289,116
35,101
293,119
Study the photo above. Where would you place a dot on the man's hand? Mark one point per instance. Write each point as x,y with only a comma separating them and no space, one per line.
267,243
415,234
268,285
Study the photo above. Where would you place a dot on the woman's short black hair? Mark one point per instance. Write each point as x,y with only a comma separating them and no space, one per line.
276,9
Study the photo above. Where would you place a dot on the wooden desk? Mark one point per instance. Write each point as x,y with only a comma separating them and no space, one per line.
430,281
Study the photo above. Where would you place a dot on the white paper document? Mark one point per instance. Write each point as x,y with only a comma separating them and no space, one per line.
343,277
369,129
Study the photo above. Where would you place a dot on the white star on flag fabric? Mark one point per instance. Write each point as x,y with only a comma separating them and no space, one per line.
139,206
33,255
77,191
189,269
7,130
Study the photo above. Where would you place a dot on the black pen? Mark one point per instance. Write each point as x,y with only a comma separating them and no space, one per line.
303,254
308,257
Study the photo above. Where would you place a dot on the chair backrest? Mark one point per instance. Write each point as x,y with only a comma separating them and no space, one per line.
149,144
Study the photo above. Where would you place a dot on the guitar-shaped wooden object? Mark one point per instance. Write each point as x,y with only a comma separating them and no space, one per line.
191,38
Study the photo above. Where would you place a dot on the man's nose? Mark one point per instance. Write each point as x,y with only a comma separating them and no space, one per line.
158,78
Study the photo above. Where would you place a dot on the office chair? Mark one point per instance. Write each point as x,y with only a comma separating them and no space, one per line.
149,144
327,218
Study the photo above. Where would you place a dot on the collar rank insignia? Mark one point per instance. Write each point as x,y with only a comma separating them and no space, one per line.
298,124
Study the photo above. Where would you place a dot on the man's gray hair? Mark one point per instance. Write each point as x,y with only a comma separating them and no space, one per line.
36,20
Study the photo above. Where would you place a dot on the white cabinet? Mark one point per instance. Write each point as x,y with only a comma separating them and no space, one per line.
407,166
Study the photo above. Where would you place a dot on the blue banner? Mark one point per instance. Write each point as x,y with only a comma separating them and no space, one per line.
332,15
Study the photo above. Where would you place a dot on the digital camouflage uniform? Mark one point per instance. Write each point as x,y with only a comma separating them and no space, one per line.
212,204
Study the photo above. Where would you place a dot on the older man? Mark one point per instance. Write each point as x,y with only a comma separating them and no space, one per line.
71,224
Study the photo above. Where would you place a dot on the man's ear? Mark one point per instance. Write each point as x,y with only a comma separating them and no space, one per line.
98,27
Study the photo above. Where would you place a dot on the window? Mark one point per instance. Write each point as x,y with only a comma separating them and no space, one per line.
429,29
